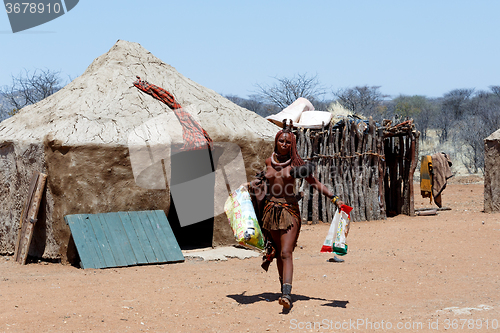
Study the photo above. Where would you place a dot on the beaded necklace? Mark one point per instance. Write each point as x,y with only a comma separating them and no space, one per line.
275,163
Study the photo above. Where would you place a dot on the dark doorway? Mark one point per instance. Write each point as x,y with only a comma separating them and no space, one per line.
186,203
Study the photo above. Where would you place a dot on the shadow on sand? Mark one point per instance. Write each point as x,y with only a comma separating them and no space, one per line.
271,297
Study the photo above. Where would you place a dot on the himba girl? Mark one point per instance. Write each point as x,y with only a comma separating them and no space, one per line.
281,214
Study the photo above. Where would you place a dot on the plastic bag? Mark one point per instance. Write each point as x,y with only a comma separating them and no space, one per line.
339,229
243,220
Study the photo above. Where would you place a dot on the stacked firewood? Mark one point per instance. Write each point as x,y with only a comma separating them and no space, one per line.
401,150
350,161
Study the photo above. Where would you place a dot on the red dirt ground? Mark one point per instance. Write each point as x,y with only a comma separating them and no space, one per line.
410,274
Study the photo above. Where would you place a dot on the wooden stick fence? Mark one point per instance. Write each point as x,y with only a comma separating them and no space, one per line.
370,168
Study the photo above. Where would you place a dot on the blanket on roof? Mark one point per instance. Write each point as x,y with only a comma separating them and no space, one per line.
195,137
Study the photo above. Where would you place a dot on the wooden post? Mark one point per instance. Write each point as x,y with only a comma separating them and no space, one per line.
29,217
368,161
414,158
336,165
407,161
307,188
381,173
347,169
315,193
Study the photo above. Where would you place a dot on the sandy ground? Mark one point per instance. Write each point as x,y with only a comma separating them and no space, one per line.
413,274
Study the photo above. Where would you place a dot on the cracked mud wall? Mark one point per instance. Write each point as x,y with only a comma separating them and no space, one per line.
492,173
83,179
93,179
86,179
18,162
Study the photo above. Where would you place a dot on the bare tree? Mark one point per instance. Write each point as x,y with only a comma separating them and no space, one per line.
254,103
421,109
426,119
4,111
495,90
454,106
481,118
490,110
468,140
28,88
287,90
456,101
362,100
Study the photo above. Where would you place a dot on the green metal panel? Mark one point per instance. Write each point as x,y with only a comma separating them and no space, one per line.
84,241
102,240
150,232
166,237
123,239
143,238
109,225
119,233
133,238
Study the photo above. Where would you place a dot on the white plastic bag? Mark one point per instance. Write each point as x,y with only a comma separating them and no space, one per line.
339,228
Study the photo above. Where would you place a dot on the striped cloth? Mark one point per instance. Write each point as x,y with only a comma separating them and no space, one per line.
195,137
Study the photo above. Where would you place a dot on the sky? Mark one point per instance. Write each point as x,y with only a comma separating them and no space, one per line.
406,47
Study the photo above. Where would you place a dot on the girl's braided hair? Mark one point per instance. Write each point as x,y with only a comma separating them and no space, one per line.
294,155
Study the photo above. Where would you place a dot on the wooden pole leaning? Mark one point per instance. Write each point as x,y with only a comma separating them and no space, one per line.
29,217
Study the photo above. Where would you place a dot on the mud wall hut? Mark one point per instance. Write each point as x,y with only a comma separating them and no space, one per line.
492,173
80,138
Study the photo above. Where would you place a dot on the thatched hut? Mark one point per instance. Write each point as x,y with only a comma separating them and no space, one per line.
80,138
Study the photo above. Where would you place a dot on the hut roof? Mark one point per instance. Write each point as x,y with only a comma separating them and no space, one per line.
102,106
